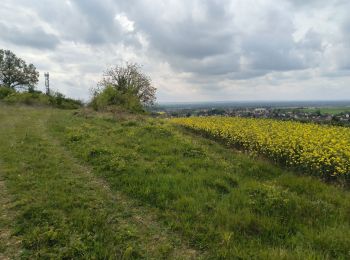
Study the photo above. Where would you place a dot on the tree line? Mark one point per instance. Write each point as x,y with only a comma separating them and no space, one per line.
122,86
15,73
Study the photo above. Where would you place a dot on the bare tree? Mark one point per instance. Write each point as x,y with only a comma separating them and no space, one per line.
15,73
130,79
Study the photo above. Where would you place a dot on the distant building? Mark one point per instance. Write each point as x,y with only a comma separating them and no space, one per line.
260,110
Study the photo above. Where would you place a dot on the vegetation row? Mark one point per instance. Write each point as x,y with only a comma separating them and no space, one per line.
18,81
122,88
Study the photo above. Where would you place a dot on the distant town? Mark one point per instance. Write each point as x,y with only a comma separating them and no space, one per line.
335,115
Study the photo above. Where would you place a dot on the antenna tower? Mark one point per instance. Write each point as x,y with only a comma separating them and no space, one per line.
47,83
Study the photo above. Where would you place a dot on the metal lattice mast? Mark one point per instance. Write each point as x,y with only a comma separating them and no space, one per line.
47,83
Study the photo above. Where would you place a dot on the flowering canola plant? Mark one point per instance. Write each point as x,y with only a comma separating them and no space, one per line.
320,149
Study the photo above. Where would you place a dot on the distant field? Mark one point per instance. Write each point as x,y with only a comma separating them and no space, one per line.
244,104
328,110
96,186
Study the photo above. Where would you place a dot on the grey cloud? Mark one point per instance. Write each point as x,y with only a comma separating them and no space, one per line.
312,40
213,41
311,49
336,74
83,21
342,49
244,75
214,45
346,30
97,21
184,35
314,3
209,44
210,66
34,37
271,52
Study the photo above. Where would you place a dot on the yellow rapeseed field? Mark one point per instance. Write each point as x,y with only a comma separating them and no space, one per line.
320,149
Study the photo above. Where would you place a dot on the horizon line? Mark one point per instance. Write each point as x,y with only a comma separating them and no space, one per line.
251,101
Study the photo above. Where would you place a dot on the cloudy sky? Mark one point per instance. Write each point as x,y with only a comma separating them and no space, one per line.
214,50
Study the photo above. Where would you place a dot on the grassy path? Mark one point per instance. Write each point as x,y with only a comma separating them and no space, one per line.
90,186
60,209
229,204
9,245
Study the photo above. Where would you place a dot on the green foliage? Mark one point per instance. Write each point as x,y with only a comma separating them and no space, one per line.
60,101
15,73
125,87
27,98
5,91
111,96
37,98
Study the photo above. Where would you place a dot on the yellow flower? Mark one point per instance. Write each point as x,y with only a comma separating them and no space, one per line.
314,147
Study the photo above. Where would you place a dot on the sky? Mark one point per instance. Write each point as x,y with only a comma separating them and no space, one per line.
194,51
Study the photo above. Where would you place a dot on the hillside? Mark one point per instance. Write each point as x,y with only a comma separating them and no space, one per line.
89,185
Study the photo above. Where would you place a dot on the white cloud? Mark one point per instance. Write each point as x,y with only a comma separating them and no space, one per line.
125,23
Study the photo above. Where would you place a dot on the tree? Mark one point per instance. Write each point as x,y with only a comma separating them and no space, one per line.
15,73
129,81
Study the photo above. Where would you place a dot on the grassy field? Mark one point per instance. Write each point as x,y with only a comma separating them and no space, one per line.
82,185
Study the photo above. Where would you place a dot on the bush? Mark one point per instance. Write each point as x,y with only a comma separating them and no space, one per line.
60,101
27,98
110,96
5,91
39,99
125,88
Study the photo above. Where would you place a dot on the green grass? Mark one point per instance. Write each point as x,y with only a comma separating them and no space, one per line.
203,199
60,210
